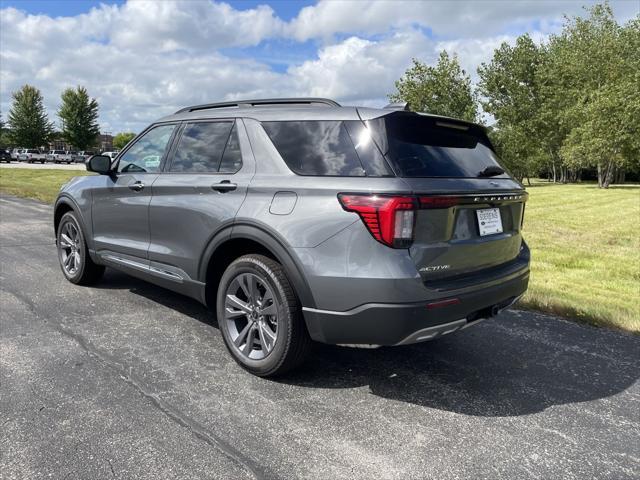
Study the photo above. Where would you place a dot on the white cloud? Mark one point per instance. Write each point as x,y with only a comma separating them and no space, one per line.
449,19
358,70
142,60
172,25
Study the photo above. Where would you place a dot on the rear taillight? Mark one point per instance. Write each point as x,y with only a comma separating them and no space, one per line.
390,219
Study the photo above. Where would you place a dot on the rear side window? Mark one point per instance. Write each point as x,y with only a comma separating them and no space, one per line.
419,146
322,148
208,147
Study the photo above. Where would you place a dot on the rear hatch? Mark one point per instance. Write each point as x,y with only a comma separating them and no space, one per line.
469,210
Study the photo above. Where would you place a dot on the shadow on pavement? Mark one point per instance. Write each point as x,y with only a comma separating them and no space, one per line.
517,364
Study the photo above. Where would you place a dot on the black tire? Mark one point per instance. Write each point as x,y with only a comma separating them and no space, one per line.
88,272
292,343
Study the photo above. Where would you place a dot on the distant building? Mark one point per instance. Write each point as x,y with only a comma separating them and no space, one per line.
105,142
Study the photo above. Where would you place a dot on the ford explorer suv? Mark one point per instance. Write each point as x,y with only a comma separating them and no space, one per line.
299,220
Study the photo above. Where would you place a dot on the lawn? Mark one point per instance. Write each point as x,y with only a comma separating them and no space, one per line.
585,245
41,184
585,249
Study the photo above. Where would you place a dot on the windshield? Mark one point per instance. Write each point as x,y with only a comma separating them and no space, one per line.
421,146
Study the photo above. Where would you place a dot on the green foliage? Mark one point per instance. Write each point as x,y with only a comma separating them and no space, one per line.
30,126
79,116
590,87
561,106
442,90
509,91
121,139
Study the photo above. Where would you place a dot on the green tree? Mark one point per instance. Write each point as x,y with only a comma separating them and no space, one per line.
79,116
30,126
121,139
443,90
509,91
590,85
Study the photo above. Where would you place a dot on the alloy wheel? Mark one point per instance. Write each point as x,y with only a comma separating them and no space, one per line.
69,246
251,315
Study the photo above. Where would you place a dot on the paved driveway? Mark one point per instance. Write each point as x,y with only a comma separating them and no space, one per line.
126,380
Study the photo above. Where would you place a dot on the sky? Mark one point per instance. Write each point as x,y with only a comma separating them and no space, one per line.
145,59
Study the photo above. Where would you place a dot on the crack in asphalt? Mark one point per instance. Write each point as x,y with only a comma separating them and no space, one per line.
175,415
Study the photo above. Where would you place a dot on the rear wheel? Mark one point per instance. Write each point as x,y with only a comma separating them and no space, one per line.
260,317
73,254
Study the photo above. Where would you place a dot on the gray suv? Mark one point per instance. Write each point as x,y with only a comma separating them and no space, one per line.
300,220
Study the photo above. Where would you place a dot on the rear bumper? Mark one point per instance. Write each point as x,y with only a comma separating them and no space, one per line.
399,324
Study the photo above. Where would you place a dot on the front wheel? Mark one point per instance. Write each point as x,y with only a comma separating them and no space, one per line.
73,254
260,318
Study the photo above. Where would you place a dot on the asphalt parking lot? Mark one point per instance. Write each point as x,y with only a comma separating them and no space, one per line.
126,380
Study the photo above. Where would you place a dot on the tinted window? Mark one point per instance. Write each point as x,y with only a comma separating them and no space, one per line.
419,146
146,154
202,146
232,158
315,147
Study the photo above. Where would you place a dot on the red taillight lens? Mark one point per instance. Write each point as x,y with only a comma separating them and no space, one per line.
390,219
438,202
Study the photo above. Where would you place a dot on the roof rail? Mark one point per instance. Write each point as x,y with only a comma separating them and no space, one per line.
266,101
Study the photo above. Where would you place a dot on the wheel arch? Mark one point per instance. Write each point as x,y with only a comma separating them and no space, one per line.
241,239
63,205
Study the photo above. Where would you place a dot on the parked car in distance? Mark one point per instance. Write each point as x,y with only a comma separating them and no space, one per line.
15,153
5,155
58,156
74,157
84,155
32,155
111,155
299,220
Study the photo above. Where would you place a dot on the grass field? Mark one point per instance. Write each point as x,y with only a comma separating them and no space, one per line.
585,248
585,245
34,183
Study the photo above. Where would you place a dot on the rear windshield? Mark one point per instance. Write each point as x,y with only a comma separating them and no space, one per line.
420,146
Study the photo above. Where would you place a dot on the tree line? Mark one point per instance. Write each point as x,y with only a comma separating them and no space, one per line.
561,107
29,125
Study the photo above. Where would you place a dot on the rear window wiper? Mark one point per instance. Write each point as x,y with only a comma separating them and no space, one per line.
491,171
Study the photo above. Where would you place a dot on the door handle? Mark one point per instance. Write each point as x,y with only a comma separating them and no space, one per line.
224,186
136,187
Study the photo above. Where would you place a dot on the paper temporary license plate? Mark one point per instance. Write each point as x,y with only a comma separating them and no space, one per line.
489,221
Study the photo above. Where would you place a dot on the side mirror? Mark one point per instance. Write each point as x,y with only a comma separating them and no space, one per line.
99,164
